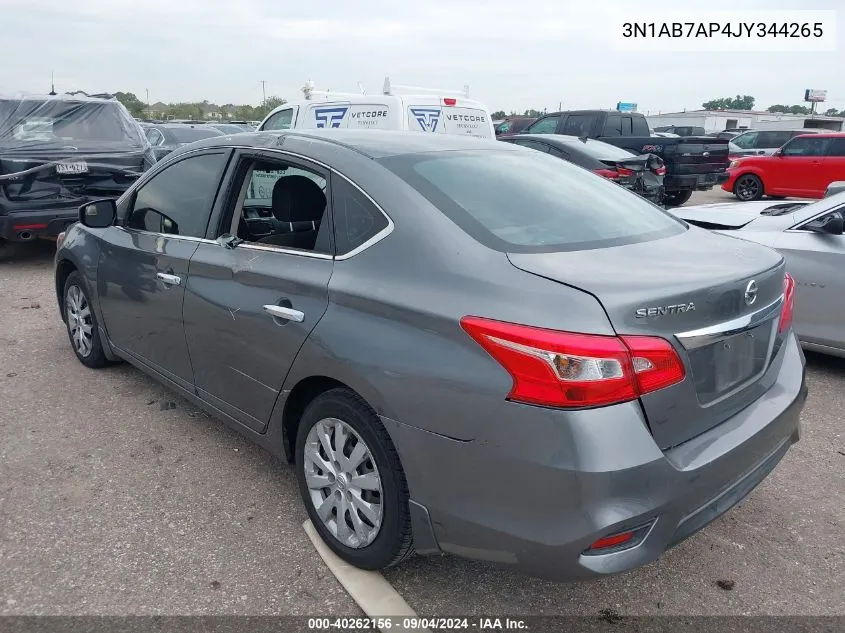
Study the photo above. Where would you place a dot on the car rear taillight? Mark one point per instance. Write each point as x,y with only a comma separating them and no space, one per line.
660,171
624,171
571,370
607,173
788,304
449,101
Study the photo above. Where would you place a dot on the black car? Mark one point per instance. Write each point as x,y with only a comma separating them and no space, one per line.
642,174
58,152
514,125
166,137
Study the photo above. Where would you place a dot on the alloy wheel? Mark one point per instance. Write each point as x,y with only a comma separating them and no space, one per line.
344,483
748,188
79,321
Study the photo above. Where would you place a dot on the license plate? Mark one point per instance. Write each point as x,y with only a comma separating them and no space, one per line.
735,360
76,167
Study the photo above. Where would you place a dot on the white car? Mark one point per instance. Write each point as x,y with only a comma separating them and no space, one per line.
432,112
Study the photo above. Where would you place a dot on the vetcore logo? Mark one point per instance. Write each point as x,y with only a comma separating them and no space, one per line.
329,117
427,118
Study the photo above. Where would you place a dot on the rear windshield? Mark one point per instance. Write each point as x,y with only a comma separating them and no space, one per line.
34,123
191,134
602,151
525,201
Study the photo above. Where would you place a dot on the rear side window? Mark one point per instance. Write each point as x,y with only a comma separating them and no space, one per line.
356,218
773,139
530,201
746,141
279,121
639,127
542,147
836,147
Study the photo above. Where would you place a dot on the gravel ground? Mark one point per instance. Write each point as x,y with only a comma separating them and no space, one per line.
118,497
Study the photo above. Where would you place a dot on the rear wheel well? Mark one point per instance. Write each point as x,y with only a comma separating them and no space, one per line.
300,397
63,270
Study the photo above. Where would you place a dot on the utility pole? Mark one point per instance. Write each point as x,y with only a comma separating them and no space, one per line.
149,116
263,94
52,85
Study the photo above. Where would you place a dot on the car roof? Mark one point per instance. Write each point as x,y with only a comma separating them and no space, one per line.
825,134
371,143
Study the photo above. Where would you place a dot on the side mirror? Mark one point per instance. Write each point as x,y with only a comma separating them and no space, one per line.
831,224
98,214
778,152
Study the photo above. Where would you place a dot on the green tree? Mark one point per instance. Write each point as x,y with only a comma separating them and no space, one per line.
498,114
834,112
787,109
740,102
135,106
533,113
269,105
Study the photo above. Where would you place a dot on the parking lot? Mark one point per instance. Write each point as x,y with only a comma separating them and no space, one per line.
118,497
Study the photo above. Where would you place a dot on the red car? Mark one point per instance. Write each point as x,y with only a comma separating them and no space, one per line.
803,167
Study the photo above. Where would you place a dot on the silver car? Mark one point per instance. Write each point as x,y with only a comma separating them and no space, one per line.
763,142
810,237
462,345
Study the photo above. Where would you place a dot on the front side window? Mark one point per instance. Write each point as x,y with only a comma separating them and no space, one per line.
546,125
524,142
178,200
154,137
578,124
805,146
613,125
531,202
280,121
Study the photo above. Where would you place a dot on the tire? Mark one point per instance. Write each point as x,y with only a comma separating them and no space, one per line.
381,538
676,198
748,188
76,304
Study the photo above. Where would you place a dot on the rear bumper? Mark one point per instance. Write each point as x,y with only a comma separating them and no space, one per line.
20,226
696,182
534,493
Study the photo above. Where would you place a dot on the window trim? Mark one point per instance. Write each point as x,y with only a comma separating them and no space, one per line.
259,247
182,157
294,113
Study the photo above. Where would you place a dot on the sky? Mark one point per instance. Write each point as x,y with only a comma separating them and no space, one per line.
513,55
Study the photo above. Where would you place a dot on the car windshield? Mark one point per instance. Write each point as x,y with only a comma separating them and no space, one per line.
37,122
190,134
526,201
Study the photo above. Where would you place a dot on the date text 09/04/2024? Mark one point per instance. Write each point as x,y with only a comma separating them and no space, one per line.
723,29
416,623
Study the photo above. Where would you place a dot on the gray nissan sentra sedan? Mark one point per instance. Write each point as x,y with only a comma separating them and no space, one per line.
462,345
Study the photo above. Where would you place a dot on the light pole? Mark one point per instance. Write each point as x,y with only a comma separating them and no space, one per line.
148,103
263,94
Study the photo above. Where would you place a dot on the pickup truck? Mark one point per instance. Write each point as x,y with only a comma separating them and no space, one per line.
693,163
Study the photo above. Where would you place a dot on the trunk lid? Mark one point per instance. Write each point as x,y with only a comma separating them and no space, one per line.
68,176
689,289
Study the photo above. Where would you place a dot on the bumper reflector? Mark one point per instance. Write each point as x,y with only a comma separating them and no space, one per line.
619,541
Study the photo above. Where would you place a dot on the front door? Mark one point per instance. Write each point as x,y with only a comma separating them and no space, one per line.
250,306
143,268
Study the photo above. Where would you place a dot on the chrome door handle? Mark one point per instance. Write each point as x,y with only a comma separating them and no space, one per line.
170,280
289,314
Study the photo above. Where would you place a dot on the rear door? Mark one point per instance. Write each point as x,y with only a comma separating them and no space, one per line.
798,170
143,269
833,166
248,309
